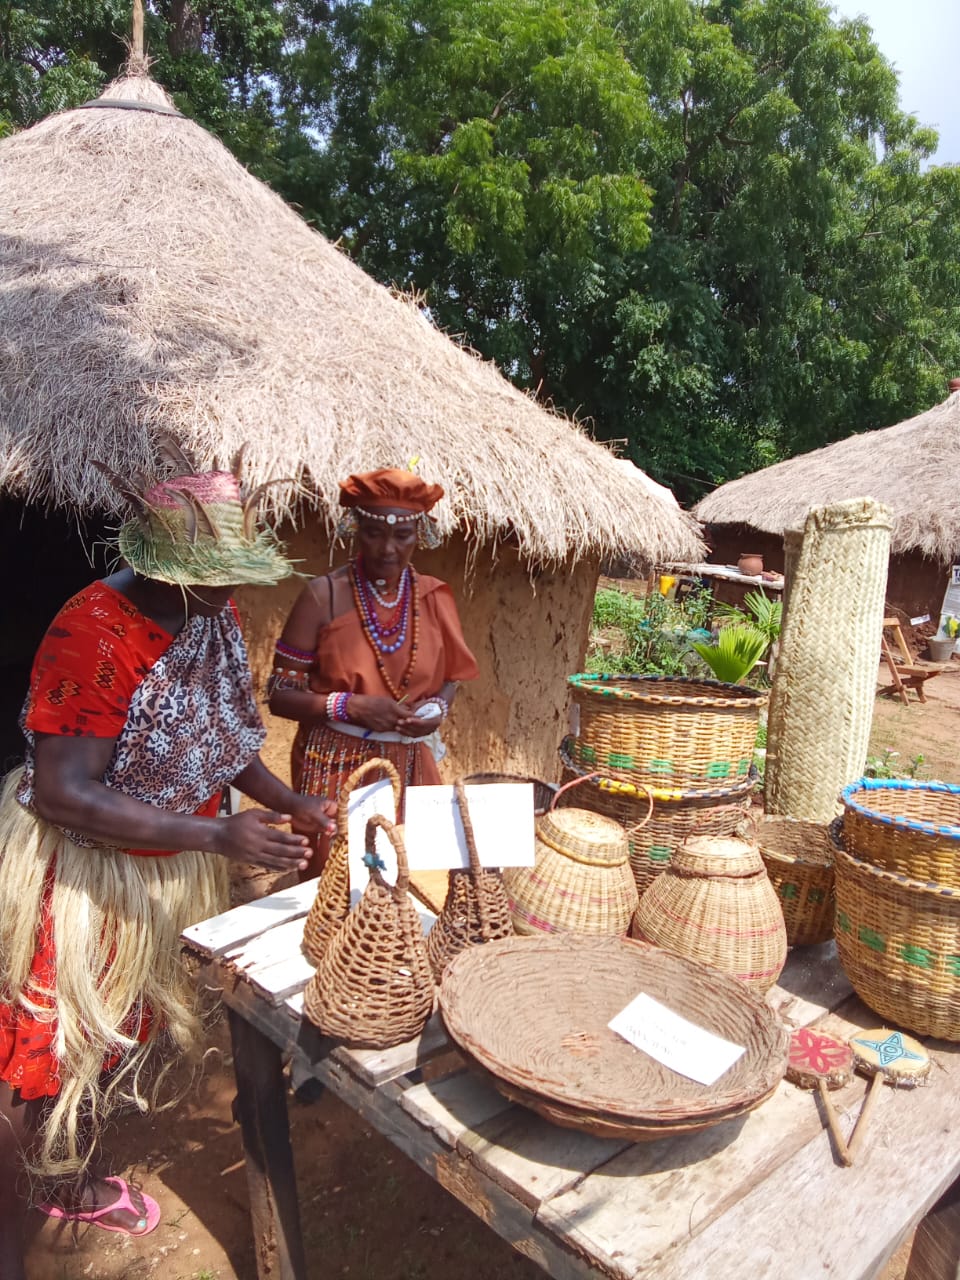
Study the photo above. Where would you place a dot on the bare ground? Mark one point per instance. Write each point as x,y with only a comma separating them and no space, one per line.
368,1212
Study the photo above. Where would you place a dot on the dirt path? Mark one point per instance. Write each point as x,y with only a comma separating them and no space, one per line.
368,1212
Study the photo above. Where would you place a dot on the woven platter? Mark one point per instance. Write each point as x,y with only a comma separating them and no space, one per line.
532,1014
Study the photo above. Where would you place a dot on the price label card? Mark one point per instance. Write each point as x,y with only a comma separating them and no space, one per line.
502,817
364,802
678,1044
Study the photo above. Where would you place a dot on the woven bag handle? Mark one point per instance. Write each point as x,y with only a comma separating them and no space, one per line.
376,763
395,836
598,777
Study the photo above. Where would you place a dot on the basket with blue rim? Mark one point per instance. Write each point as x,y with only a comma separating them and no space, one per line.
666,731
907,827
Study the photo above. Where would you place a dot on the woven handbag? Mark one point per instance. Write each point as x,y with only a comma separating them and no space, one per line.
476,909
332,902
911,828
666,731
899,944
715,904
799,858
373,987
676,814
581,881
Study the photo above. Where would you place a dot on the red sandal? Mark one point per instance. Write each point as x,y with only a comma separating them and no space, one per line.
146,1222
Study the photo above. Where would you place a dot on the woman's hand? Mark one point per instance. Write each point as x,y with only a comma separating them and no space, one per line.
380,714
419,726
255,836
314,813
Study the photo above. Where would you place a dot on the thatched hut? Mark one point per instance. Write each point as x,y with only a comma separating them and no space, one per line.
148,283
911,468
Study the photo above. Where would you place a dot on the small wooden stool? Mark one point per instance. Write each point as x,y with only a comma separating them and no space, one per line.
905,671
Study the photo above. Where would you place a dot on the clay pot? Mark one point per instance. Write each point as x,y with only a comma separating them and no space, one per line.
750,563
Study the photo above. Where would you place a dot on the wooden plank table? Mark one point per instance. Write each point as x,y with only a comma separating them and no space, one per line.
761,1195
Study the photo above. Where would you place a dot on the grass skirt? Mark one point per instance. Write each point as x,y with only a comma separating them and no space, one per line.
120,990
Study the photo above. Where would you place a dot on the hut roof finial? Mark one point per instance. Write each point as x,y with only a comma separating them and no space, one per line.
138,64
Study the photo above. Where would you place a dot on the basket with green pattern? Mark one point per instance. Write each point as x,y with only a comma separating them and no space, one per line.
666,731
675,816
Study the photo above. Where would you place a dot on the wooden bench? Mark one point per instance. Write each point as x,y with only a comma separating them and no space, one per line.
905,671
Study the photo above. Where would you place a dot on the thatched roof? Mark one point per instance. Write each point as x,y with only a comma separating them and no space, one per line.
911,468
149,284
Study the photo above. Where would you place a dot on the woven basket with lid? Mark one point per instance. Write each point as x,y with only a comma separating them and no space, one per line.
715,904
332,903
581,883
373,987
476,909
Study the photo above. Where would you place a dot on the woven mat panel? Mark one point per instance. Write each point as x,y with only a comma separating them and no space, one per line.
821,705
715,904
899,944
373,987
534,1014
330,906
476,909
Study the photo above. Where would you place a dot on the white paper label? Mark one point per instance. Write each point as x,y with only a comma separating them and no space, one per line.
916,622
363,804
678,1044
502,818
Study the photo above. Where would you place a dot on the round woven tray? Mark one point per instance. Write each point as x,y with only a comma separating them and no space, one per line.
533,1013
911,828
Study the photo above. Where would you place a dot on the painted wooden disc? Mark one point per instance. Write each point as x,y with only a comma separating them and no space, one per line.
814,1056
899,1058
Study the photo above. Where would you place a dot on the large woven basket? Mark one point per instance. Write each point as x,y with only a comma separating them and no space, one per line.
332,902
373,987
666,731
676,815
533,1014
899,944
476,909
799,860
912,828
715,904
581,882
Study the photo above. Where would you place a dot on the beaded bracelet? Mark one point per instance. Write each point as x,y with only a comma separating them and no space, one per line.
287,651
444,706
335,708
286,678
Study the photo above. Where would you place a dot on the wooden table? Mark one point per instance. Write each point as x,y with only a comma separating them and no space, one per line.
758,1196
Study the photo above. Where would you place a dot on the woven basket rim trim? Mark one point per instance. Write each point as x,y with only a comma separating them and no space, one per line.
743,697
900,820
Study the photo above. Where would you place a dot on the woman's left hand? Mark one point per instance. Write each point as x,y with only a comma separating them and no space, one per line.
418,727
314,813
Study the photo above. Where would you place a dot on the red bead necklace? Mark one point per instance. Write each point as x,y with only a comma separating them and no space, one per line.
396,692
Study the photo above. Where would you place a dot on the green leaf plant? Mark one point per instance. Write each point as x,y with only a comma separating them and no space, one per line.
735,653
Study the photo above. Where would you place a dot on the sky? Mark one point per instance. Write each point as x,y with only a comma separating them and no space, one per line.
922,40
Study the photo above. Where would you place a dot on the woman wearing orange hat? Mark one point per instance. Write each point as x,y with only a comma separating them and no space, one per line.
372,653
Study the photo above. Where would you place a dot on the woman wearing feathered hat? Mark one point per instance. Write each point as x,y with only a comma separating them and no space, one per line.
368,647
140,712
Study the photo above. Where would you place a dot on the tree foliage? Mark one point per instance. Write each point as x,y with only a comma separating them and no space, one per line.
705,226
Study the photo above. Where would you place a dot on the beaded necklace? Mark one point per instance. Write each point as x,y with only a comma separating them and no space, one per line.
372,629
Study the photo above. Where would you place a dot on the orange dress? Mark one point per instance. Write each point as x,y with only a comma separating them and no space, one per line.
345,663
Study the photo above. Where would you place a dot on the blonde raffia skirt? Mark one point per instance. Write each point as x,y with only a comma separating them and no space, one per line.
116,922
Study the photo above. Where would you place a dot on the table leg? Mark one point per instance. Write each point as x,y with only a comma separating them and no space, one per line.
262,1112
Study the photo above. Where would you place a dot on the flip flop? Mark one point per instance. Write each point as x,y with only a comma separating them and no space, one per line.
123,1201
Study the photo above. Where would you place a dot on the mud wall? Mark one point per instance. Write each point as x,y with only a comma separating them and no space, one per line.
528,632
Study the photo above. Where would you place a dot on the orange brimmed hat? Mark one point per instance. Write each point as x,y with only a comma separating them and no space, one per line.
389,487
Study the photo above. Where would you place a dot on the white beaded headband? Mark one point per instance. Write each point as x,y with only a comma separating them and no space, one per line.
391,517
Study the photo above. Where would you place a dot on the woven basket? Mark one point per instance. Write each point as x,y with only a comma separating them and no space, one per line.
715,904
912,828
581,882
799,860
666,731
533,1013
373,987
476,909
675,816
543,792
899,944
332,903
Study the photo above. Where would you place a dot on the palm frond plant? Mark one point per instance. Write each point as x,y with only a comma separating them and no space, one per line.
735,653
